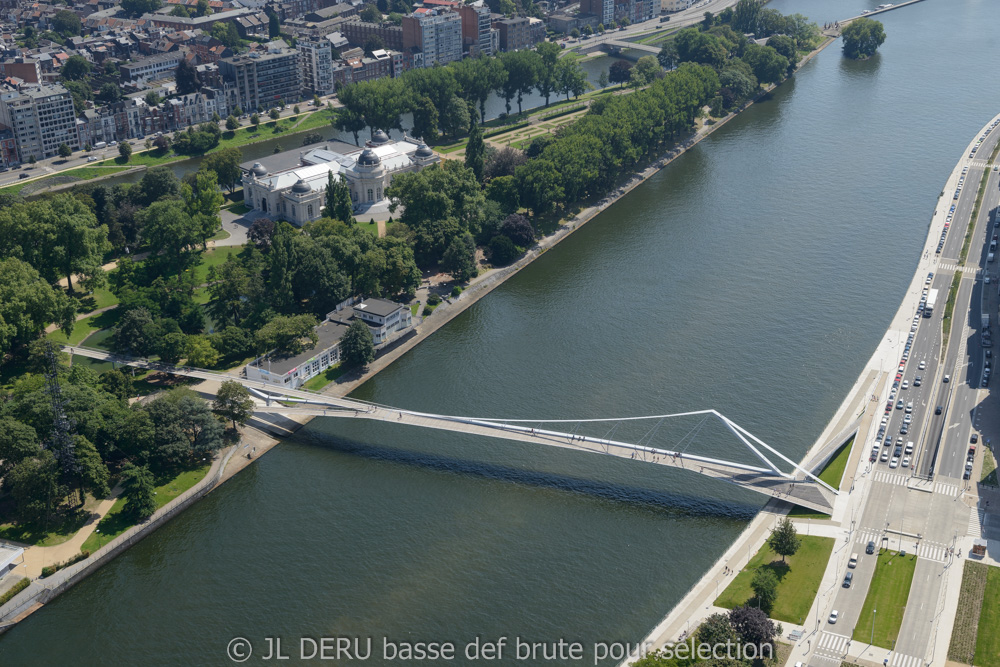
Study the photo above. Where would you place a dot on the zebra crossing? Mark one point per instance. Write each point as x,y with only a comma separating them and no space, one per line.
949,266
982,164
933,551
866,535
902,660
890,477
949,490
833,642
976,517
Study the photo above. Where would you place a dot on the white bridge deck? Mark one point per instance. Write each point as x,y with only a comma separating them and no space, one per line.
799,487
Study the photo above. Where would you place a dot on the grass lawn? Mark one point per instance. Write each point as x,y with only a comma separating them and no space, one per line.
989,477
85,327
49,535
114,524
371,228
414,308
213,257
833,471
887,594
317,382
239,208
63,177
988,640
99,298
798,579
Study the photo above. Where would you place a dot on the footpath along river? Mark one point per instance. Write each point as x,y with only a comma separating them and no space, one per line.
754,275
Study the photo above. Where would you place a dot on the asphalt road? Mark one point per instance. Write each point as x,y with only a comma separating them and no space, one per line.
920,509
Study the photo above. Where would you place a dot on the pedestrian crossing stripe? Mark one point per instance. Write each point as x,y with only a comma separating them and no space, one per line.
890,477
933,551
948,266
901,660
949,490
979,163
976,516
833,641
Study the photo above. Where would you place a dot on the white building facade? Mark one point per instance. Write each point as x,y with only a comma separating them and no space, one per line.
298,194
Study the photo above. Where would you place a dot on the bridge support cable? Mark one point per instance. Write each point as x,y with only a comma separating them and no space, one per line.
785,458
738,433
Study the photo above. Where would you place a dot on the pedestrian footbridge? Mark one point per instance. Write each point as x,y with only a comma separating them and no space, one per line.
785,479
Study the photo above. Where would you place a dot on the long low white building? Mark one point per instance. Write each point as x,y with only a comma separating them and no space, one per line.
292,185
386,319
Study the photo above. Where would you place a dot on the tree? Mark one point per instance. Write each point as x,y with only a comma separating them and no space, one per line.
34,486
226,165
162,143
233,403
571,77
202,202
765,587
575,33
667,56
475,149
338,199
644,72
716,631
288,334
786,47
273,25
136,334
273,113
187,78
65,150
109,93
862,38
460,258
255,121
201,353
347,120
226,33
620,72
518,229
136,8
91,474
260,233
125,150
165,225
78,243
18,441
370,14
548,81
502,251
425,119
157,183
66,23
523,68
232,123
784,540
138,490
477,78
603,80
767,64
203,9
707,21
754,627
746,16
180,11
357,345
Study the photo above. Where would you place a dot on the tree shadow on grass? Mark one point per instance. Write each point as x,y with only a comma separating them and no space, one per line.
64,523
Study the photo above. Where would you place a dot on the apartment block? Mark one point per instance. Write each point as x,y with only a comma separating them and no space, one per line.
436,32
477,28
41,118
316,63
263,79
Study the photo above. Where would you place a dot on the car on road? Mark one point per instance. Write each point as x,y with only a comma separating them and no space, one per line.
834,615
968,466
904,429
848,579
885,455
91,158
967,474
908,419
917,381
986,279
906,384
938,410
974,439
870,548
22,175
946,378
894,463
922,365
899,404
906,462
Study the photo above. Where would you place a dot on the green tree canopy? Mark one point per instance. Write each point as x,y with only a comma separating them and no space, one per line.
233,403
862,37
784,540
357,345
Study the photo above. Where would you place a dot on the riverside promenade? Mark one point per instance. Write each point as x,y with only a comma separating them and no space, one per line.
859,406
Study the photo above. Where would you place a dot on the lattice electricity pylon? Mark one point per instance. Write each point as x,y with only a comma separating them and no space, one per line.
61,441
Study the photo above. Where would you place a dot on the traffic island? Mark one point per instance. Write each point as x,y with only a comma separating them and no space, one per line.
882,614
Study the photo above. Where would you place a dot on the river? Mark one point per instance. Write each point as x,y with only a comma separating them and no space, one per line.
754,275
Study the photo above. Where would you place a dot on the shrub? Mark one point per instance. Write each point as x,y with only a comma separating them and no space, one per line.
428,310
14,590
52,569
433,299
456,290
502,251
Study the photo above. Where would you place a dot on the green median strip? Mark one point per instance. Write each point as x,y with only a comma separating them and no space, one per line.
949,309
882,614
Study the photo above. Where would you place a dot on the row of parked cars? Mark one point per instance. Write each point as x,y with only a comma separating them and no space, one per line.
983,138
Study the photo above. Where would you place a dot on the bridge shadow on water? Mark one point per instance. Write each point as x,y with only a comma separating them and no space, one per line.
676,503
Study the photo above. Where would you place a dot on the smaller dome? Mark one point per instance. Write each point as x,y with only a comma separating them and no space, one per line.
369,159
301,187
423,150
380,138
258,169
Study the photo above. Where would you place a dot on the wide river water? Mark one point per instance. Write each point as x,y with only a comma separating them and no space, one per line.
754,275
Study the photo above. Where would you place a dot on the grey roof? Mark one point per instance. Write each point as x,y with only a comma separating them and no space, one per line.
301,186
328,332
291,159
379,307
423,150
369,158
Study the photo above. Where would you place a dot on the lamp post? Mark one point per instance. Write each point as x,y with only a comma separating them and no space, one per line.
872,640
